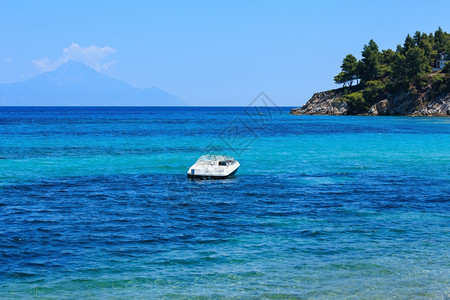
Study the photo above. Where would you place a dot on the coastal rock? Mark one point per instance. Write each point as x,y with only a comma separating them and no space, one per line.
324,103
405,103
379,109
440,106
399,103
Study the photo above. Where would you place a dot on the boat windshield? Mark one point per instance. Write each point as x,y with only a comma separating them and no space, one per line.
221,158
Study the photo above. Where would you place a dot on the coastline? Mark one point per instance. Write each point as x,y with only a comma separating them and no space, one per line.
402,103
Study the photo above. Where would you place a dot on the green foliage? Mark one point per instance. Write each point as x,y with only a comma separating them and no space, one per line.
361,101
409,62
441,40
425,44
417,37
416,64
348,73
440,85
375,91
437,79
387,59
349,64
340,78
411,66
446,68
356,102
398,74
408,67
370,61
409,43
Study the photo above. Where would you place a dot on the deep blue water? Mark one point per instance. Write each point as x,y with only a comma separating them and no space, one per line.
95,203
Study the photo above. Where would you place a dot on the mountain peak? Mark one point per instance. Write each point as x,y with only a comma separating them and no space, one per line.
72,70
77,84
72,65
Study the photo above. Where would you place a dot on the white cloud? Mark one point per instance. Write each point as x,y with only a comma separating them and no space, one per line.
8,59
93,56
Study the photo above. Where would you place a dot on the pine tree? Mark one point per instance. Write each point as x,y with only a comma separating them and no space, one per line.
413,65
409,43
398,68
440,40
348,73
416,64
386,60
340,79
370,61
446,68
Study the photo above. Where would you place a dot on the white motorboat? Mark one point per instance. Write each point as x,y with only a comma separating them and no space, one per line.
213,167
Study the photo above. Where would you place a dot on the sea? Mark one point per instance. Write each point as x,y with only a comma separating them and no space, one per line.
95,203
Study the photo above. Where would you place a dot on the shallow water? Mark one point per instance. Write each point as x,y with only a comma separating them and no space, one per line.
94,202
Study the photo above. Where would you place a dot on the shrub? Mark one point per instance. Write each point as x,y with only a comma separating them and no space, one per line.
439,85
374,92
356,102
446,68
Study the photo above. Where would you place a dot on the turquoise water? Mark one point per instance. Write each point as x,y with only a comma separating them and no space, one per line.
94,203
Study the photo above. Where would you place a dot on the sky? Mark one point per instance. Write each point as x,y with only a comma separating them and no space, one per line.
208,53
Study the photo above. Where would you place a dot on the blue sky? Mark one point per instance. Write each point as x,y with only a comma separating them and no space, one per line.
208,52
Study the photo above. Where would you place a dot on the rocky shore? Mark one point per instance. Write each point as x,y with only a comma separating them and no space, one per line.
324,103
400,103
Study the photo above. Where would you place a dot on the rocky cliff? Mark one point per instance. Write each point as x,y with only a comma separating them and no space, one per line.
324,103
406,103
399,103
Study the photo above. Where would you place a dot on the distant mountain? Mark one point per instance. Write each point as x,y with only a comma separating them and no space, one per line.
75,84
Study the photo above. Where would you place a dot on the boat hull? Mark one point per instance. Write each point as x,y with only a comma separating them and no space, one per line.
200,176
